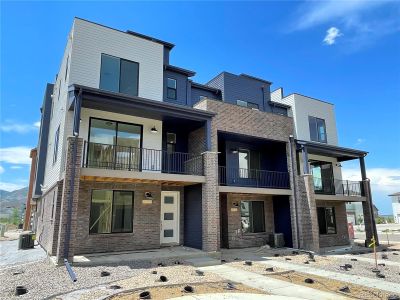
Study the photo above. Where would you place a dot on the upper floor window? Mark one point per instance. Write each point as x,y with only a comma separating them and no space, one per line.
171,142
56,141
119,75
171,88
317,129
247,104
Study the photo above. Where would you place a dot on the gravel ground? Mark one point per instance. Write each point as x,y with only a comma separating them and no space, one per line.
44,280
392,255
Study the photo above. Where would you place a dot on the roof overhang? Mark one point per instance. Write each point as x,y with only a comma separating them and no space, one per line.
180,70
125,104
341,153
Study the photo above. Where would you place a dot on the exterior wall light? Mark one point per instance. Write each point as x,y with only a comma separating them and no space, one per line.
153,129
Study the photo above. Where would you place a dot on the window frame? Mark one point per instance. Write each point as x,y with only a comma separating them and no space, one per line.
247,104
174,89
250,209
325,208
56,144
112,211
313,121
171,143
119,77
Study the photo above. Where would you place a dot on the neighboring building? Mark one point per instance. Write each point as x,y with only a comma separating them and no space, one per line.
396,206
30,205
134,155
317,143
355,213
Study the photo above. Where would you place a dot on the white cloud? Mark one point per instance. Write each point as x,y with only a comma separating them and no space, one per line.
331,35
382,179
1,170
16,167
11,126
37,124
360,141
15,155
362,21
9,186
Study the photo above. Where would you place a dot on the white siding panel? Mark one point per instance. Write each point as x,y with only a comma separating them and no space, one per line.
91,40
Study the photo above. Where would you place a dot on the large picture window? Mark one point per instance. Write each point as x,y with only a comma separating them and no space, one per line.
252,216
111,211
317,129
326,220
114,144
119,75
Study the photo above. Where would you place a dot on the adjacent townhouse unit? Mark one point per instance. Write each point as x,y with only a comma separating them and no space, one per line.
133,154
319,163
396,206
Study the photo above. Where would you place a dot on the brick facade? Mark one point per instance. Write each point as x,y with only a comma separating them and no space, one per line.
233,235
341,237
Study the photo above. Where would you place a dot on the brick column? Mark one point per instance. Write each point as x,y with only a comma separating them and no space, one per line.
69,187
309,230
210,203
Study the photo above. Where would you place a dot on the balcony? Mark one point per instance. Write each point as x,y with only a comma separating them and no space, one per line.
253,178
116,157
331,186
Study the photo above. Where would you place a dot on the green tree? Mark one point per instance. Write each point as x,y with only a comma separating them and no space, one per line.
15,217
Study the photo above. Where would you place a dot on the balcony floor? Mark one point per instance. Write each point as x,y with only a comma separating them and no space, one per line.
253,190
323,197
101,175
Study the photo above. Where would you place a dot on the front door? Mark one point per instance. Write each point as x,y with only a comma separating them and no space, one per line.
169,217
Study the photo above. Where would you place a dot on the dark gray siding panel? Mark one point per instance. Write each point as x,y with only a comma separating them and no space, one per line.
238,87
193,234
197,92
166,56
181,86
43,139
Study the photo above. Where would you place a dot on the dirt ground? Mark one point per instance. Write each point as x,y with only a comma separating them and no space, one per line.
171,291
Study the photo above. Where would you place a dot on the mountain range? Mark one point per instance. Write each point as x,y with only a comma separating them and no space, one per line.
9,200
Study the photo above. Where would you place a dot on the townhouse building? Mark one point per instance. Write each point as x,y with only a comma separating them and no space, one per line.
396,206
133,154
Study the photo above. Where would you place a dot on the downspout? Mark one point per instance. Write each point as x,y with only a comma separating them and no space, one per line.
291,143
77,114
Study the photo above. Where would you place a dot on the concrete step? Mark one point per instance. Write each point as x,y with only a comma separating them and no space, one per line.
203,261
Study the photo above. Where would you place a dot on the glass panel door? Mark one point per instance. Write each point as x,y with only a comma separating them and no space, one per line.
101,143
128,152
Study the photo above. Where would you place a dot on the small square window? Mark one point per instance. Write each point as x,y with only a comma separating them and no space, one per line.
169,200
168,233
168,216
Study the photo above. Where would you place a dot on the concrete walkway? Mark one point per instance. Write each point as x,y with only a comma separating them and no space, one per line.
234,296
363,281
370,260
11,256
270,285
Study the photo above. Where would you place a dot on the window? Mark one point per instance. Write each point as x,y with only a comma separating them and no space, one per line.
171,142
119,75
244,163
114,144
202,97
171,88
326,220
66,68
52,208
111,211
323,177
317,129
252,216
247,104
55,148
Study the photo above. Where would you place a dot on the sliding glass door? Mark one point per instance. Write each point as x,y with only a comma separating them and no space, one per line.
323,177
114,145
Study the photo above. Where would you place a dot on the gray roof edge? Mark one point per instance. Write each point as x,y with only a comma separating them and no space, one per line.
180,70
331,147
395,194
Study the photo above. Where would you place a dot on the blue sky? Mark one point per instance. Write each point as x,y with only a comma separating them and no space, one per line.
346,53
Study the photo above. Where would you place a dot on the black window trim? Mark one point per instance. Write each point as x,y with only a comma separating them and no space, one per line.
112,210
317,131
116,134
175,89
263,212
334,217
119,78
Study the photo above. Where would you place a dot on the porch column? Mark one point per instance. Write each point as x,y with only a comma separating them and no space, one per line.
210,203
306,169
368,211
69,200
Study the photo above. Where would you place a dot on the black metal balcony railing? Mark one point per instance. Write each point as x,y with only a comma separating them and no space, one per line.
253,178
331,186
115,157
